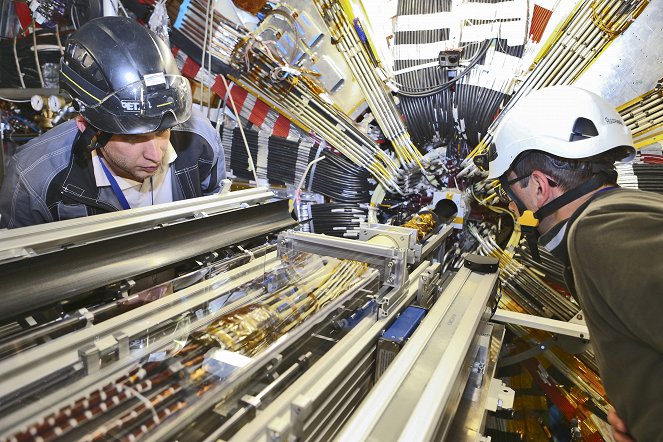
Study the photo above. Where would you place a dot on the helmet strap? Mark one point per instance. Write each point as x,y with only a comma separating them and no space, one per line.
87,141
593,183
101,140
529,221
91,139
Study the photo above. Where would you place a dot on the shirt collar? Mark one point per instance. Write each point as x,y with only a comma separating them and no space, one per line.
102,180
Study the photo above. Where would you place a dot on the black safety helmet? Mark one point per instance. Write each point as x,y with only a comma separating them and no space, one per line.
124,78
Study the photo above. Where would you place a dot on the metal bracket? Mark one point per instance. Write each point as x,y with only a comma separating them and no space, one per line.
428,283
278,430
226,184
116,345
391,262
403,238
551,325
499,396
300,409
578,318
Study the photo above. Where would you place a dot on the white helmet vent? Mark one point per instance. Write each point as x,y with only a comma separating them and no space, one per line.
583,128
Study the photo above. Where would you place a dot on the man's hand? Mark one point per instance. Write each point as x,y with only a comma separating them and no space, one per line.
619,429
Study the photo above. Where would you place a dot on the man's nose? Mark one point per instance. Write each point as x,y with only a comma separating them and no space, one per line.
153,151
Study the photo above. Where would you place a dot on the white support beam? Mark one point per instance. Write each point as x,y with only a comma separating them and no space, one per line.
540,323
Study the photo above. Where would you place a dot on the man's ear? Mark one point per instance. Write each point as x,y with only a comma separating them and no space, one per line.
81,123
542,187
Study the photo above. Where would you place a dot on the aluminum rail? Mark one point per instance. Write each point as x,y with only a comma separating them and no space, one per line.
419,408
52,277
44,238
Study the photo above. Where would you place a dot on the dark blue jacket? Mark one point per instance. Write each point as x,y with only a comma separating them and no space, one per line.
46,182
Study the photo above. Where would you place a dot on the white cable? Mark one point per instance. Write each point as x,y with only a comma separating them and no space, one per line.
308,168
34,42
209,62
202,57
241,129
296,199
57,36
18,66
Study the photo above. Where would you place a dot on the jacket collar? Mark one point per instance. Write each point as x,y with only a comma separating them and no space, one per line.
556,240
80,185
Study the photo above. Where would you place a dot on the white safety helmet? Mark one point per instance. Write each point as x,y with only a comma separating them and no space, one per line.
564,121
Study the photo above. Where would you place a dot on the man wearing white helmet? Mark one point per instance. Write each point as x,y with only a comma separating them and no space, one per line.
554,156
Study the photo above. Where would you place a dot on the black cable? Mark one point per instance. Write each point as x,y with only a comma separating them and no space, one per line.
416,92
335,176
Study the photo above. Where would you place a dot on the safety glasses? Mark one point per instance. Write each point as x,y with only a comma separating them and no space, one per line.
504,191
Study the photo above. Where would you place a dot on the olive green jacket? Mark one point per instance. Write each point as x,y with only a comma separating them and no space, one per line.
616,254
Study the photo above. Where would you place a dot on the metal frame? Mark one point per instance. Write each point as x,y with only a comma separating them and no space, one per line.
170,429
108,249
77,350
404,238
322,398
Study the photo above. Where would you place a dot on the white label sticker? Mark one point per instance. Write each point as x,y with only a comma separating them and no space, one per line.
222,363
154,79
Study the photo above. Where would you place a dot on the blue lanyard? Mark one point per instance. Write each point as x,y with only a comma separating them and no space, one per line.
116,188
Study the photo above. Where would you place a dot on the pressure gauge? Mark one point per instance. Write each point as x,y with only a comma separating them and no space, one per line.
37,102
55,102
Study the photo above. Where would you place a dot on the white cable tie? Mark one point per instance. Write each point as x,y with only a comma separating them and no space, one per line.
248,252
417,67
321,147
145,401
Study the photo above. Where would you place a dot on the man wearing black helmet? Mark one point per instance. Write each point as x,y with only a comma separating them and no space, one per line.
554,155
136,141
